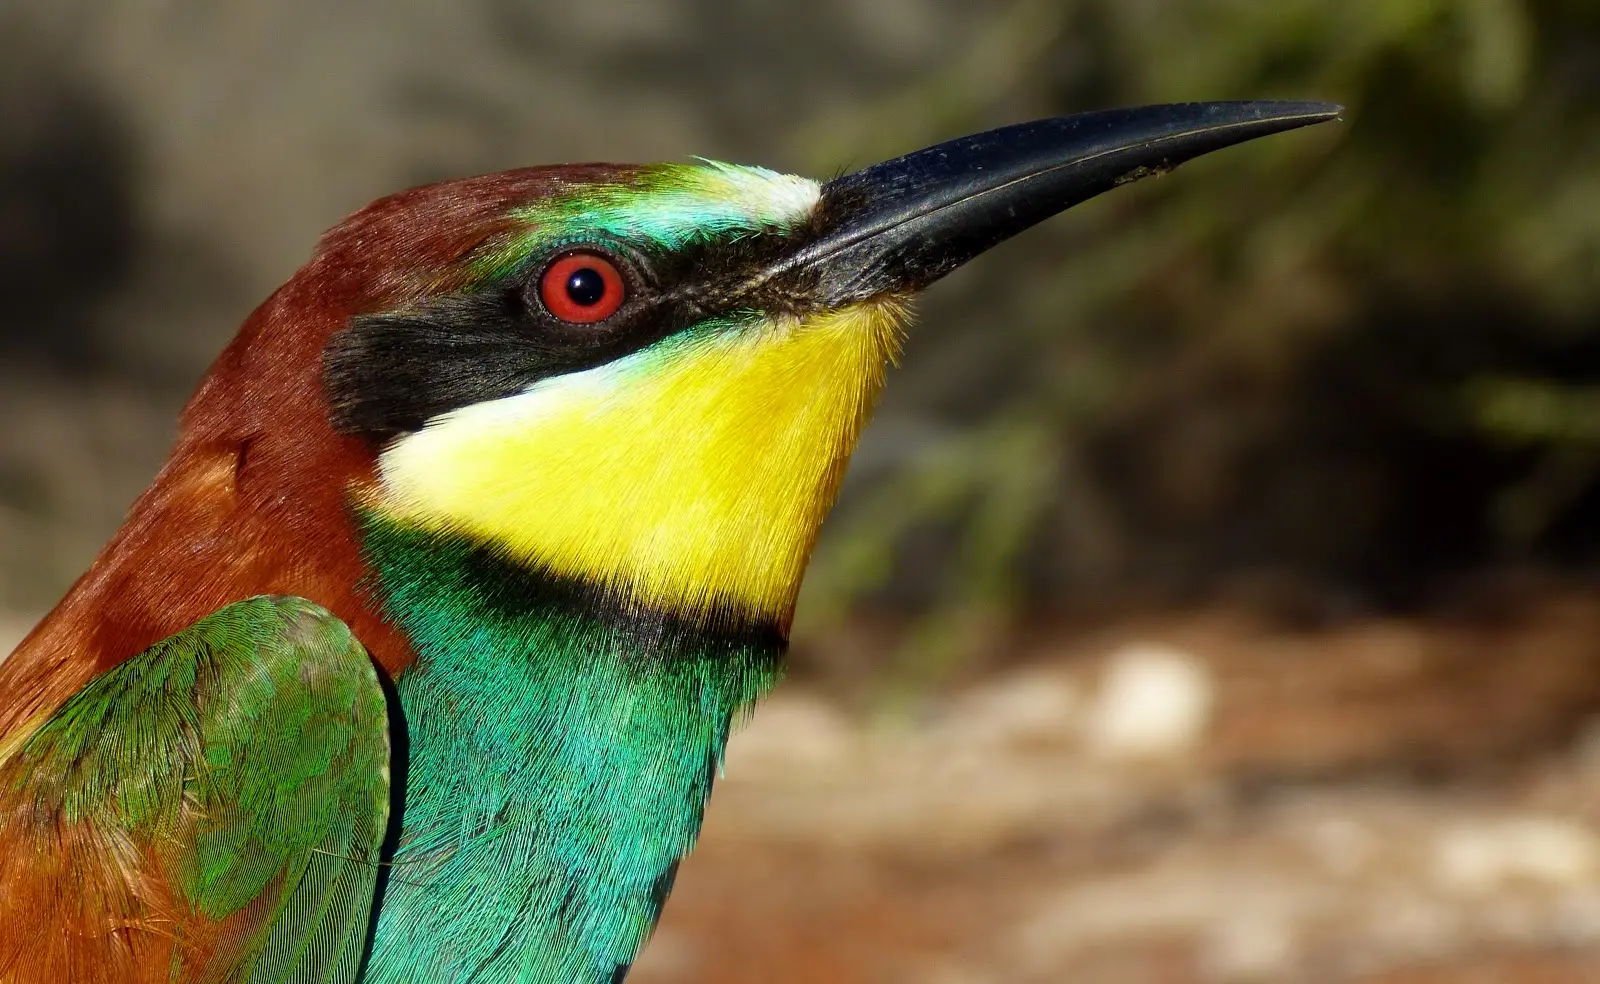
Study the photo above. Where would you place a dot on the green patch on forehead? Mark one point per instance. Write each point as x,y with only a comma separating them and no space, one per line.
664,205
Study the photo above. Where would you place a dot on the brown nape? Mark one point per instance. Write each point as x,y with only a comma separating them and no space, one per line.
252,499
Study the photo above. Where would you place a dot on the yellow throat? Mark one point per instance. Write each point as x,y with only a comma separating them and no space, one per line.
690,476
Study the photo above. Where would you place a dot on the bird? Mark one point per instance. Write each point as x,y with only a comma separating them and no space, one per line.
417,660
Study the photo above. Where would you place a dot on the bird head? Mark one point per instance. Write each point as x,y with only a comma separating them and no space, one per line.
634,382
650,379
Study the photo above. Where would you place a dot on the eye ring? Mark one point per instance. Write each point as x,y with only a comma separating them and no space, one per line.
582,287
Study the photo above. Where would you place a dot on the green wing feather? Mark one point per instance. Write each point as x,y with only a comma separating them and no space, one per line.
247,760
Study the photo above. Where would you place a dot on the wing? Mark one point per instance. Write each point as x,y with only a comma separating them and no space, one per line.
210,810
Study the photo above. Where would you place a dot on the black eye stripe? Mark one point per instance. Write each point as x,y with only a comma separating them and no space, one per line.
389,373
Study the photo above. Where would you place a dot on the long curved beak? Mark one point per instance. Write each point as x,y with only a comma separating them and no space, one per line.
902,224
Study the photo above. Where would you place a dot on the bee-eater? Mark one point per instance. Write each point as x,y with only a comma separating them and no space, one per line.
416,661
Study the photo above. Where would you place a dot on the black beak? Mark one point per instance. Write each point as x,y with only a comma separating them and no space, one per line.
900,225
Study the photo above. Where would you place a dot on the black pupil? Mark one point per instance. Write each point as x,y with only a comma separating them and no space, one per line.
586,287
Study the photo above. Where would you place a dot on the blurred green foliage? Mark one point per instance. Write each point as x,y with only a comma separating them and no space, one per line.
1345,363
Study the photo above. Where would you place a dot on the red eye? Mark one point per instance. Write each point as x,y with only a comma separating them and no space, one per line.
582,287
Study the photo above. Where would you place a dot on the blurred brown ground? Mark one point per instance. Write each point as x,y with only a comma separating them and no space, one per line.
1214,599
1391,801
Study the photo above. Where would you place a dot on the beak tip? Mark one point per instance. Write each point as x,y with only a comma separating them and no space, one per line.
1316,112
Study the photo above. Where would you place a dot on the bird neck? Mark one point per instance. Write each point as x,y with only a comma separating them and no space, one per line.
561,750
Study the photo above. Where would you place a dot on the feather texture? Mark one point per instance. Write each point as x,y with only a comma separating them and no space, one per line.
211,811
561,753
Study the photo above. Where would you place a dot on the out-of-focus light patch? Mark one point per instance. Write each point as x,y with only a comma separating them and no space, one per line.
1154,701
1492,855
1250,946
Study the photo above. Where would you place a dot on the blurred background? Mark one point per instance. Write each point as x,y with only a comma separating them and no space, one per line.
1214,598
